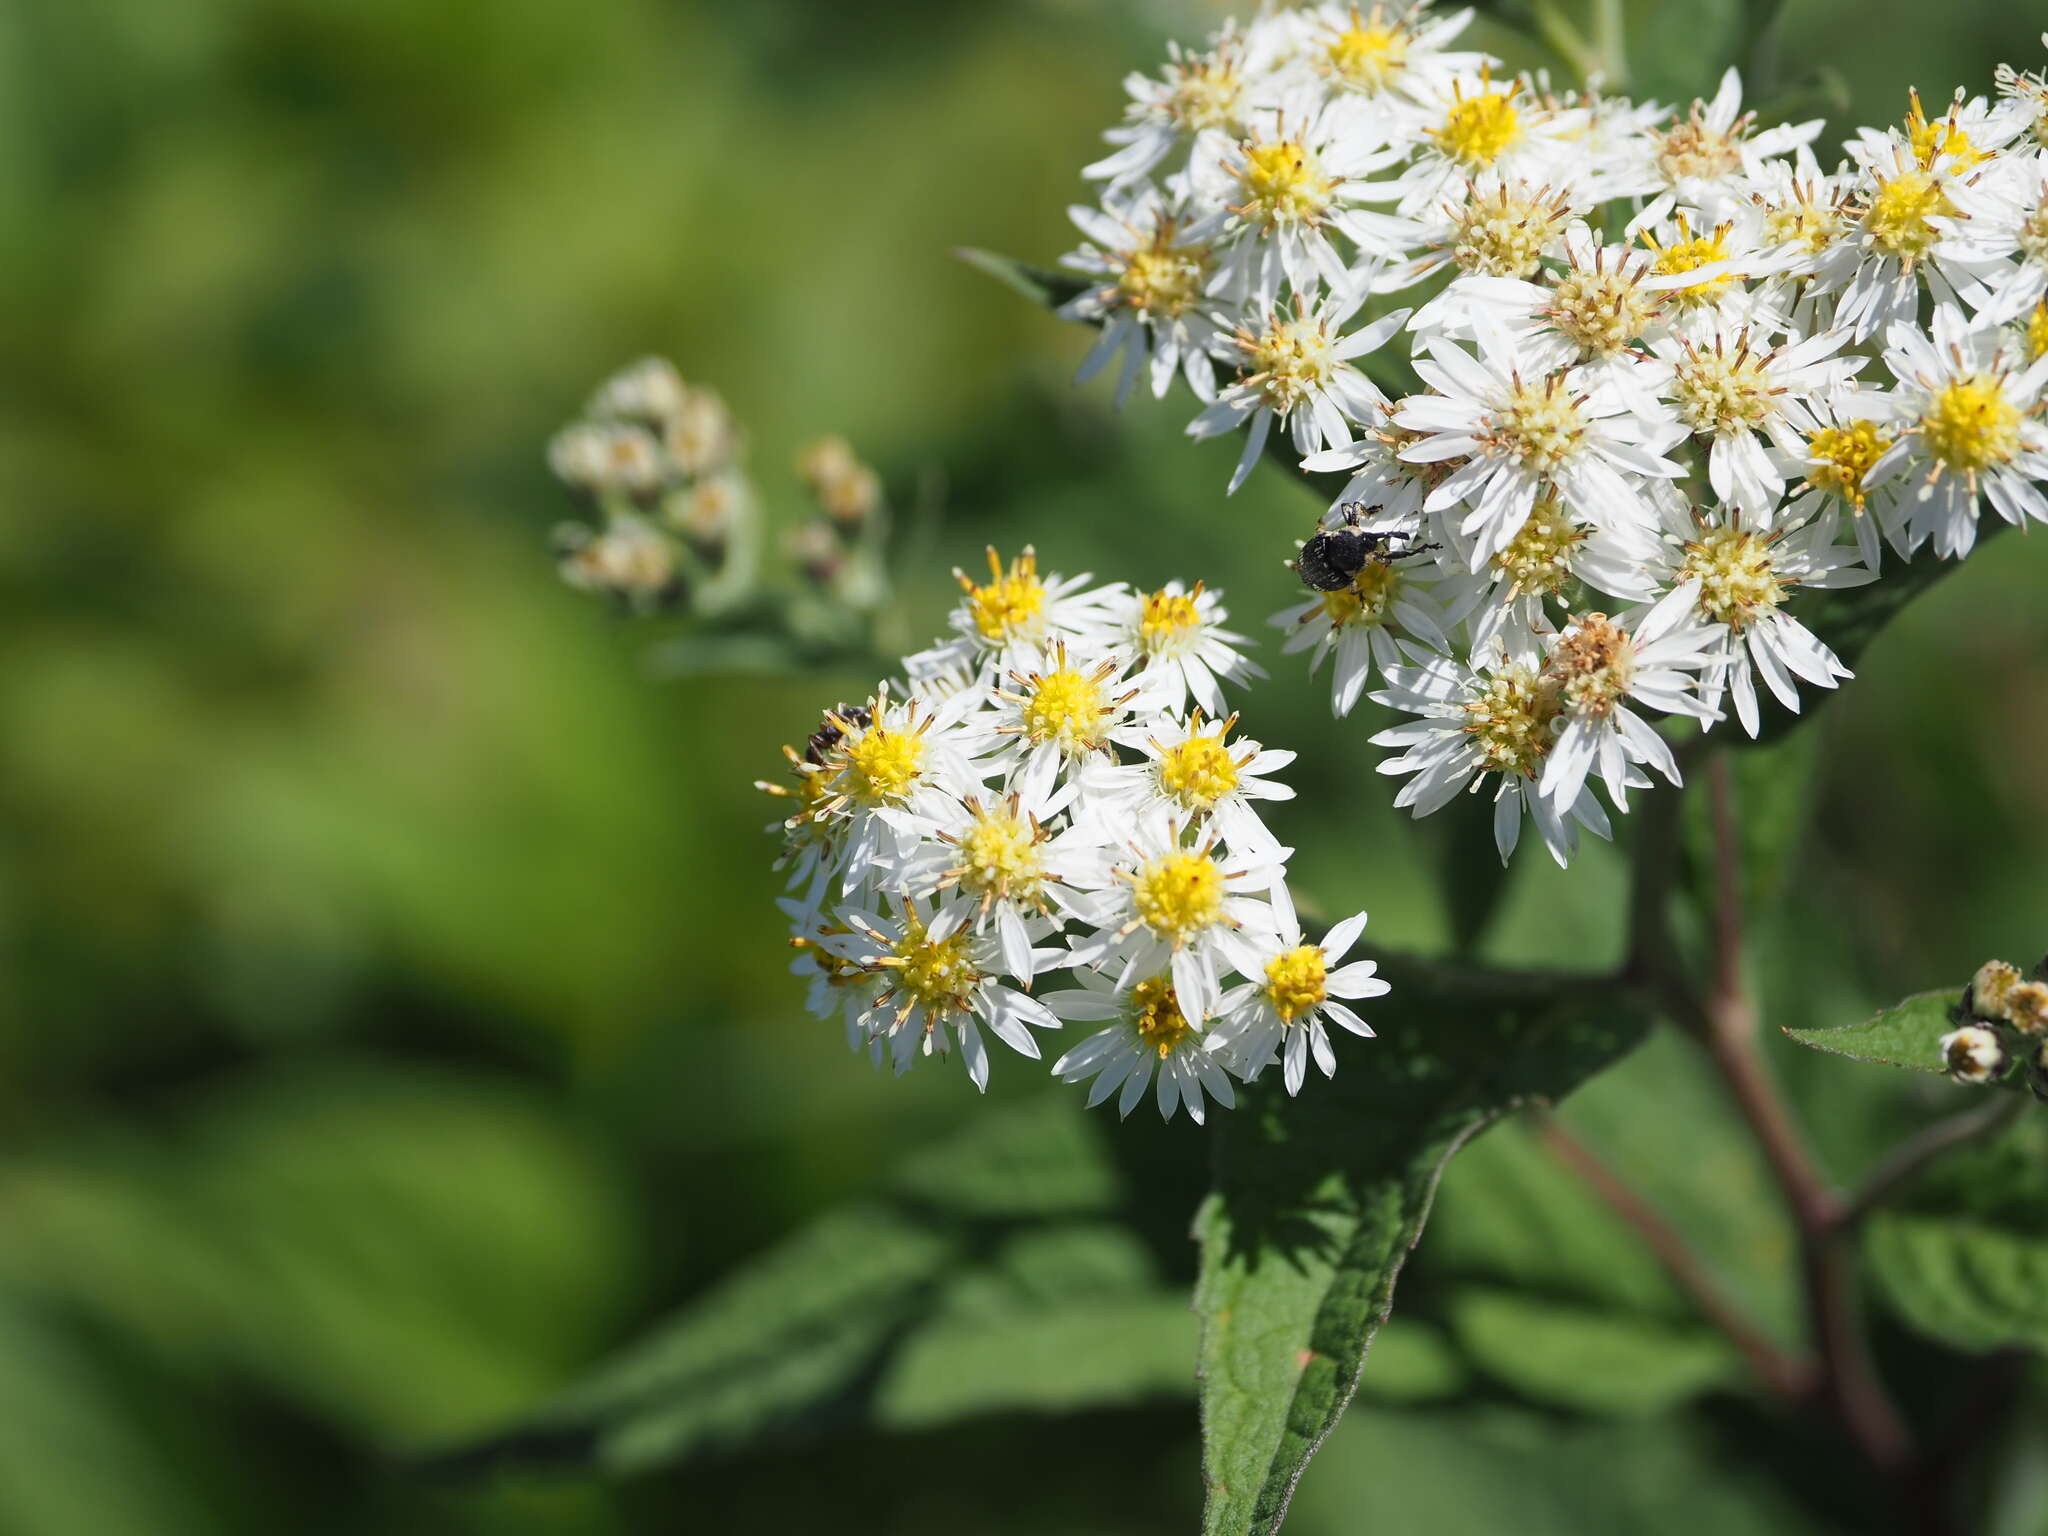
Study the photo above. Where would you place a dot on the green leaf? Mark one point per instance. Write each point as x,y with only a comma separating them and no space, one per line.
1041,285
1319,1200
1963,1255
1907,1036
989,1276
1587,1359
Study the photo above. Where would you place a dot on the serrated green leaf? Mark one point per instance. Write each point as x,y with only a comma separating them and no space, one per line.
988,1276
1907,1036
1319,1200
1587,1359
1963,1256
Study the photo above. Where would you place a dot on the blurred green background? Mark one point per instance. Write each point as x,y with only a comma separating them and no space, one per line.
392,1013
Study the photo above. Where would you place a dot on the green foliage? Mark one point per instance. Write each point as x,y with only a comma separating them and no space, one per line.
1963,1256
1319,1200
1588,1359
1907,1036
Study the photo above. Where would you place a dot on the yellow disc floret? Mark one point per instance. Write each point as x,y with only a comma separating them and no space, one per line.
2037,330
1368,53
1066,706
1198,772
1592,665
1504,233
1284,183
1899,218
1166,620
1178,895
1838,458
1538,425
1718,392
1941,138
1739,581
1478,130
1012,601
882,767
936,974
1162,279
1156,1016
1297,981
999,854
1970,425
1689,253
1538,559
1289,361
1207,93
1367,600
1512,720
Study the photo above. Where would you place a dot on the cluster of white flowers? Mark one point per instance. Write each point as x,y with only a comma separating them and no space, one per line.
1058,788
1667,371
2003,1017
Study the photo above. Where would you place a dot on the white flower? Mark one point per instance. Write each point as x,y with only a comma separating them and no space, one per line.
1165,906
1286,1009
1600,666
929,982
1736,580
1967,428
1182,648
1297,369
1497,718
1705,158
896,764
1910,217
1363,625
1156,261
1191,771
1051,719
1015,615
1520,436
1147,1029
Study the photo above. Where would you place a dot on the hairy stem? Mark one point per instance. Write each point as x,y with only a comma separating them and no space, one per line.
1785,1374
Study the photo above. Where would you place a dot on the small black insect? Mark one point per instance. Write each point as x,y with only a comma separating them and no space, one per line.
838,721
1330,559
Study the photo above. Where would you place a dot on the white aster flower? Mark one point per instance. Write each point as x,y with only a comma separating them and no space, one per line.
1181,646
1054,717
1600,666
1705,159
1968,427
1363,626
1191,772
1155,262
1015,615
896,763
1302,989
1147,1030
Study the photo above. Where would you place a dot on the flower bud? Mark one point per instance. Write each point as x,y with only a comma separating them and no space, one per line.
705,512
649,391
2026,1007
815,549
1974,1055
602,457
701,435
1986,997
629,561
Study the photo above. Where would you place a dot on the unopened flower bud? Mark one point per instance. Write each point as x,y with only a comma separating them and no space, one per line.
2026,1007
815,549
607,456
825,459
1974,1055
629,560
705,512
1986,998
649,391
701,436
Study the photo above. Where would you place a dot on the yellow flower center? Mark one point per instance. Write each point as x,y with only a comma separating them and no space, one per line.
1165,619
1367,599
1688,254
1198,772
1538,425
1178,895
1012,600
1207,93
935,972
1066,706
1719,392
1539,557
1512,721
1296,981
1971,425
882,767
1478,130
1290,362
1692,149
1163,279
1505,234
1284,183
2037,331
1943,136
1592,665
1898,218
1803,222
1368,53
1839,458
1156,1016
999,855
1602,312
1738,579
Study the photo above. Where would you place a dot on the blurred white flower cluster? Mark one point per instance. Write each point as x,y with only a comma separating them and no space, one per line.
1666,372
1057,788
